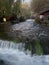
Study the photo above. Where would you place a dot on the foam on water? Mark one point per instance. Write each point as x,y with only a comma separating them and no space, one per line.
13,56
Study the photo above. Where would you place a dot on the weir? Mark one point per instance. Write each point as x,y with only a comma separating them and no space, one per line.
11,55
10,45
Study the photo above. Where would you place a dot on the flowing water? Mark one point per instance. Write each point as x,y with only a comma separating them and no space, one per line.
10,54
14,54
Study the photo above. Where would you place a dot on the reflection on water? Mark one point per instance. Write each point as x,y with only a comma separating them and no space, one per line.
13,56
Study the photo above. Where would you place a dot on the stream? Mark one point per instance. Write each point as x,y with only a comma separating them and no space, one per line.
10,54
14,54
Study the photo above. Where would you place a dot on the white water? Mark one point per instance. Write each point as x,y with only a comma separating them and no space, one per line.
11,55
24,27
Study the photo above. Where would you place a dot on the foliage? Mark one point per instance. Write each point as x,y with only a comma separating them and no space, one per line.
4,36
25,10
16,40
42,23
48,24
38,20
7,7
38,47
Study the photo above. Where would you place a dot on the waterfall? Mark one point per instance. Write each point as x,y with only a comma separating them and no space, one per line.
11,45
11,55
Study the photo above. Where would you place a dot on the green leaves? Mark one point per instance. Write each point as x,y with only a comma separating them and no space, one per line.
38,47
6,5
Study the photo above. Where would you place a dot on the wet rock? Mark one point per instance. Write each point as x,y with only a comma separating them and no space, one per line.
45,45
2,62
44,38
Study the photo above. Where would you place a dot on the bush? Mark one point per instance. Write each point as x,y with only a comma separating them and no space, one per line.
38,21
48,24
17,40
38,47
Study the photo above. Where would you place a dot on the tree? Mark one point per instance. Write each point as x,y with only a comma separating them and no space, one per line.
8,6
5,6
25,10
16,7
38,5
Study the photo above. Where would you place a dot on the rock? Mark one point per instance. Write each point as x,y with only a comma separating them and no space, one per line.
2,62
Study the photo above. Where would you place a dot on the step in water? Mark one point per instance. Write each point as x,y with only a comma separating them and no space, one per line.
11,55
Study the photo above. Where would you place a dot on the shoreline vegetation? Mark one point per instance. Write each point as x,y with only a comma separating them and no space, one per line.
45,23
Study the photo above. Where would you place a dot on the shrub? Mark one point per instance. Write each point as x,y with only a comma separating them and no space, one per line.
16,40
38,21
38,47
